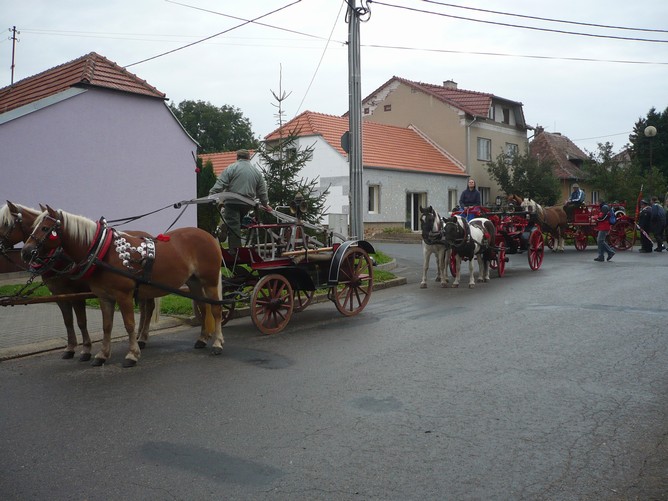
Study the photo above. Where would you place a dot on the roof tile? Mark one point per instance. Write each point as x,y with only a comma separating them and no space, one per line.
384,146
91,70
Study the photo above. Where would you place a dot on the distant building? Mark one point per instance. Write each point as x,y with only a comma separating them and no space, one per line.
474,127
566,160
402,169
91,138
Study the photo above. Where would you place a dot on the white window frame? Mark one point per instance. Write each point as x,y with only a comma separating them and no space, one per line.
484,149
373,193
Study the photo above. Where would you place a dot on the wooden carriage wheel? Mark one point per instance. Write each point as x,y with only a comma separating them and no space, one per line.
272,303
302,298
355,285
536,249
622,234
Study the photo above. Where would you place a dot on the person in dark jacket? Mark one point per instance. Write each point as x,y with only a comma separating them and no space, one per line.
657,223
470,196
644,221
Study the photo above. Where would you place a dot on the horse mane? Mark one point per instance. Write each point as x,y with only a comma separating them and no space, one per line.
79,228
6,218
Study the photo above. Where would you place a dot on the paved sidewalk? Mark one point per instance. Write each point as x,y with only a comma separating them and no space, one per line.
35,328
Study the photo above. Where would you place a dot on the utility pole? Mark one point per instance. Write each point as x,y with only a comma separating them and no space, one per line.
14,40
355,122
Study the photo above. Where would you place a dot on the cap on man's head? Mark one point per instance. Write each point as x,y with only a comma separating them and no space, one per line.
576,185
644,202
243,153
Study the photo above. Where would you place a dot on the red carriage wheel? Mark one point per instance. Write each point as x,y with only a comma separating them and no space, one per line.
621,234
355,282
501,258
580,238
536,249
302,298
272,304
453,264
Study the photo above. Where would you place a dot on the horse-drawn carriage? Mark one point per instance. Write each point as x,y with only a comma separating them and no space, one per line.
515,231
282,264
278,271
582,223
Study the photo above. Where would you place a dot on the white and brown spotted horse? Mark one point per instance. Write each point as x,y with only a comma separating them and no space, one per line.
433,242
469,240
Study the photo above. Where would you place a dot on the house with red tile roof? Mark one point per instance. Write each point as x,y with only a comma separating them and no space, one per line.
474,127
94,139
402,169
220,161
566,160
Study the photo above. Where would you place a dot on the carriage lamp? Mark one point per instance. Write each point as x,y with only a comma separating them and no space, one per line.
498,200
298,205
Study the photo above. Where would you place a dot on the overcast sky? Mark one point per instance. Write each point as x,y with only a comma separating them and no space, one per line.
590,88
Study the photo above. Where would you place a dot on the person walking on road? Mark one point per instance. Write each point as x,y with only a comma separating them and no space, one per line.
603,228
657,223
644,219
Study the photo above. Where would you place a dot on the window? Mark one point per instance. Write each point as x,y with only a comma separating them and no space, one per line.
484,149
484,195
506,115
453,200
374,199
387,107
366,111
595,197
512,150
491,112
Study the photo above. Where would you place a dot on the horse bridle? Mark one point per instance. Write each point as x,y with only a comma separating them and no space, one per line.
4,237
431,237
42,264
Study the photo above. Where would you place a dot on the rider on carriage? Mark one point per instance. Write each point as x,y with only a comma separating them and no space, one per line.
470,200
575,200
242,178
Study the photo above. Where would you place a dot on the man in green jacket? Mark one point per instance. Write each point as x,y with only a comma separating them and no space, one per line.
244,179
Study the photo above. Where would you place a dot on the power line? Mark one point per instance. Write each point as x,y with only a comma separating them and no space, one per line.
501,54
215,35
593,25
534,28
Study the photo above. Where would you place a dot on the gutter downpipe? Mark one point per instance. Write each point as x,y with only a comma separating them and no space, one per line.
468,145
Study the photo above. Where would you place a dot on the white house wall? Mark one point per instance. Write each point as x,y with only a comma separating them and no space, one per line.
101,153
333,169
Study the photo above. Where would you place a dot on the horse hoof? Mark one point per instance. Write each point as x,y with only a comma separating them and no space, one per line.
98,362
84,357
142,344
471,286
455,286
128,362
444,286
67,355
423,286
199,344
216,351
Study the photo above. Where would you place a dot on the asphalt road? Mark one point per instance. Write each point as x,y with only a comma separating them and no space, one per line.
546,385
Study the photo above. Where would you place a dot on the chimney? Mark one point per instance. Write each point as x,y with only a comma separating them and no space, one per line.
450,84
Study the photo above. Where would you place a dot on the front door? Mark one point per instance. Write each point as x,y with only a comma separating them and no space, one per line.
414,201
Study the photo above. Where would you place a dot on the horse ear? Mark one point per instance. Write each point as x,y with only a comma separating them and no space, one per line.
12,207
42,208
51,212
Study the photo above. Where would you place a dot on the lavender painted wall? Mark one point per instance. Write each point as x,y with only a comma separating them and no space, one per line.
101,153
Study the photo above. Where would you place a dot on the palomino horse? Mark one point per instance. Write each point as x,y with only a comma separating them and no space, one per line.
552,220
471,239
433,243
120,267
16,223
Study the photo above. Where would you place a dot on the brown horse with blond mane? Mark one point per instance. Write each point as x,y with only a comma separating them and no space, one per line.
120,268
552,220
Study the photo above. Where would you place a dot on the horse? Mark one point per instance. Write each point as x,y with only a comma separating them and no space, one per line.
119,267
15,226
431,224
469,240
552,220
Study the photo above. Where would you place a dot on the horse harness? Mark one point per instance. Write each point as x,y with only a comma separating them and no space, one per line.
466,237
